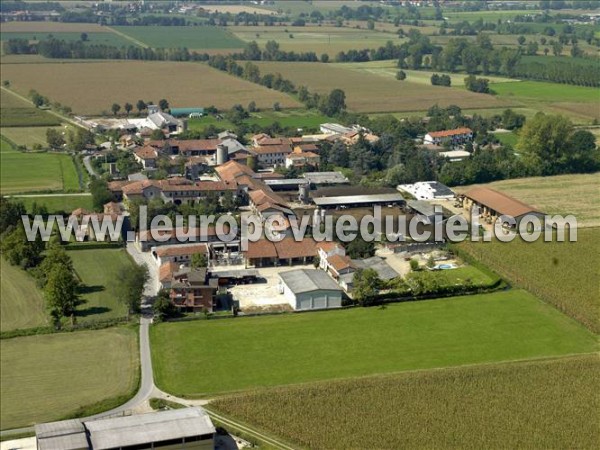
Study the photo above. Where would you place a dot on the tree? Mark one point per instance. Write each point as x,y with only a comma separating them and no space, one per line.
521,40
557,49
130,287
370,24
10,213
475,84
338,155
324,58
401,75
163,307
140,106
84,37
199,261
157,135
19,251
6,83
55,256
365,287
115,108
252,106
276,106
100,193
61,292
163,104
54,138
128,107
414,265
360,248
334,103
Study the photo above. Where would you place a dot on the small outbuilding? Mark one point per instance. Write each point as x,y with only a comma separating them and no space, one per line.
307,289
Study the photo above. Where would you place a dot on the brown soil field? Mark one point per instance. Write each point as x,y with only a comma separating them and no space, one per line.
367,92
52,27
92,87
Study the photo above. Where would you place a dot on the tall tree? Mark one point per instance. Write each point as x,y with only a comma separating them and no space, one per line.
61,292
366,284
130,287
128,107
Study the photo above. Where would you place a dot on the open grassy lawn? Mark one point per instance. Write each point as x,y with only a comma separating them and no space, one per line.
93,38
324,39
197,358
193,38
295,118
98,270
368,92
21,302
30,172
536,404
15,112
182,84
565,274
52,27
29,136
48,377
577,102
389,69
507,138
561,194
58,204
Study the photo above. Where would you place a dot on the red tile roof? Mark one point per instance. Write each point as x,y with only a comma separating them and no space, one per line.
339,262
289,248
328,246
261,249
281,148
146,152
499,202
446,133
232,169
167,270
181,250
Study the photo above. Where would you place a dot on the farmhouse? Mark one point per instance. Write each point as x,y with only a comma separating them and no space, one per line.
180,428
286,252
193,291
494,204
177,190
272,155
307,289
146,156
300,158
451,137
181,254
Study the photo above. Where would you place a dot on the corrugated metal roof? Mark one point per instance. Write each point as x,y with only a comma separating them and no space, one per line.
151,427
308,280
356,199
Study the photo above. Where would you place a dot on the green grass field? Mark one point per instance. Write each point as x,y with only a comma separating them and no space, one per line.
98,270
93,38
295,118
15,112
535,404
29,136
507,138
193,38
21,302
48,377
33,172
57,204
202,357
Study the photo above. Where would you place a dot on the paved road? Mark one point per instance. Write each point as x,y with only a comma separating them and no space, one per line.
88,166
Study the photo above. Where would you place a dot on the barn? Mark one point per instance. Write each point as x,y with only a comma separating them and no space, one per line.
307,289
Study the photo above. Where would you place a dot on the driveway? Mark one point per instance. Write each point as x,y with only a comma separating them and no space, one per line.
152,287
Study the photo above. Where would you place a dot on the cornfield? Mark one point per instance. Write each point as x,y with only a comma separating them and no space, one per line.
536,404
565,274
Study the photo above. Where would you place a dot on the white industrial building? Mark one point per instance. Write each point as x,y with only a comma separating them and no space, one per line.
428,190
307,289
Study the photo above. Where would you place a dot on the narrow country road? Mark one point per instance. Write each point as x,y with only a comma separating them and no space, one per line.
88,166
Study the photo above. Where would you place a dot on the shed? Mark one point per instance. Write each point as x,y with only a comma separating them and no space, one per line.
307,289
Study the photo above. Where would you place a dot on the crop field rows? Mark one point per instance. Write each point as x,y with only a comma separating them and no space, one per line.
537,404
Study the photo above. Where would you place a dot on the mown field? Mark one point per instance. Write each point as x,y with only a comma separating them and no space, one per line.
52,27
93,38
47,377
30,172
29,136
15,112
296,118
561,194
279,350
182,84
98,270
507,138
577,102
368,92
193,38
389,69
58,204
565,274
536,404
324,39
21,302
